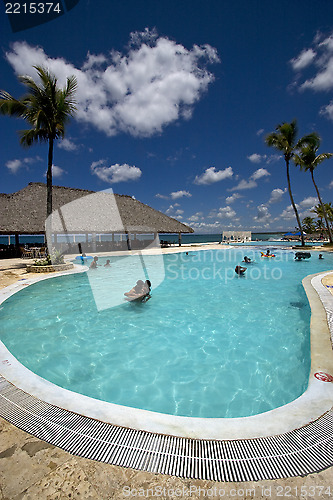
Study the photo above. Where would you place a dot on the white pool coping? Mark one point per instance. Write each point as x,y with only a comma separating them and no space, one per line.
314,402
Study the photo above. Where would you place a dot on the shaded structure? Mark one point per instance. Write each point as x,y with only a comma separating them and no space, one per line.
236,236
92,215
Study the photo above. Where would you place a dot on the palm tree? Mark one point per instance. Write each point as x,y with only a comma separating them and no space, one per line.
308,225
285,139
308,159
320,226
329,211
46,108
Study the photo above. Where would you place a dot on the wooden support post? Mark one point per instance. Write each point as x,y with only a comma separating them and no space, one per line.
128,240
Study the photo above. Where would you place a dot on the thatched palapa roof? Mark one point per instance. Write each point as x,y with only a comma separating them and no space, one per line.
81,211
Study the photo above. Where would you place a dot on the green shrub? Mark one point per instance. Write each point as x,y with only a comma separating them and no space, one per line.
55,258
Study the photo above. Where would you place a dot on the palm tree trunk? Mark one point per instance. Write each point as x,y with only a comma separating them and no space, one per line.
293,203
49,179
323,209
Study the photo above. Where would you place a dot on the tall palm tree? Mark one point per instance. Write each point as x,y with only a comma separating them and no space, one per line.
284,139
46,108
308,159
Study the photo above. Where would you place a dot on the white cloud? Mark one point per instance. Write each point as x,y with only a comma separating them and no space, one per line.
321,55
196,217
303,59
327,110
260,132
322,79
232,198
288,213
173,211
272,158
258,174
30,161
330,186
67,144
263,216
276,195
226,212
243,184
155,83
211,175
57,171
214,227
256,158
162,196
180,194
115,173
94,60
251,183
15,165
309,202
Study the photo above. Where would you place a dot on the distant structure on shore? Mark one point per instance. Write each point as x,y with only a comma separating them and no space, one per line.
236,236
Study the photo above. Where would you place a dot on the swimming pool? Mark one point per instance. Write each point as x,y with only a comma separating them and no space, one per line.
208,343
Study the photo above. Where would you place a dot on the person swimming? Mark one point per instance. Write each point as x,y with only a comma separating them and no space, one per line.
140,292
94,264
240,270
247,260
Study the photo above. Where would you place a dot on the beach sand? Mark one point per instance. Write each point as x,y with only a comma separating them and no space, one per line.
33,469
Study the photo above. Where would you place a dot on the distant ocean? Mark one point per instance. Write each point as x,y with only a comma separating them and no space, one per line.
172,238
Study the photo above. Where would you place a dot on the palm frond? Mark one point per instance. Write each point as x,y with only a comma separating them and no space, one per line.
284,138
323,156
29,137
11,106
311,140
307,157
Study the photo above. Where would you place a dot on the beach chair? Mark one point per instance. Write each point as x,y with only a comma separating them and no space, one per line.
26,253
42,252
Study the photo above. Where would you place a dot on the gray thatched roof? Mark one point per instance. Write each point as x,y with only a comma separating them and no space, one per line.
79,210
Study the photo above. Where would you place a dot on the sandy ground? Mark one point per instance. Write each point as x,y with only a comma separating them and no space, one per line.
33,469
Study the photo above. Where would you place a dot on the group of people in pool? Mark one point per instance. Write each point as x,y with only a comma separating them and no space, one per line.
240,270
94,264
139,293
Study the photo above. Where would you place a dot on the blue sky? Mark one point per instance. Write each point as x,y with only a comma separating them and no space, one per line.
174,101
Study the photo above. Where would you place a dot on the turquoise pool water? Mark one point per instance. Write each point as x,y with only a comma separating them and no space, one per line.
207,344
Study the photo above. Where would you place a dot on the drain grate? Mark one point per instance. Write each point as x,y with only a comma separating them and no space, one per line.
296,453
